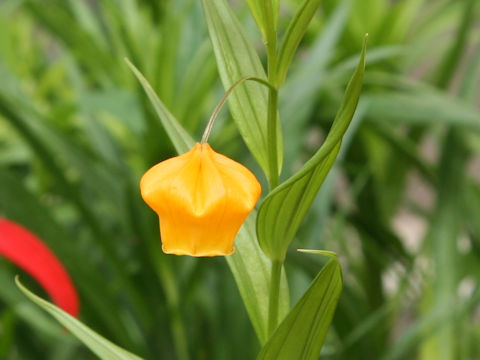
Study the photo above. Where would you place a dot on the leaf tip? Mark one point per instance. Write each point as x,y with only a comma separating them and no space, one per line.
20,286
364,45
328,253
134,69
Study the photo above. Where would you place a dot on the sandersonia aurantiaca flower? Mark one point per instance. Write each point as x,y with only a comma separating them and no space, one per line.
29,253
201,197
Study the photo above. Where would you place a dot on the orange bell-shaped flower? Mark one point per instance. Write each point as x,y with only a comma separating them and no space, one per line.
201,198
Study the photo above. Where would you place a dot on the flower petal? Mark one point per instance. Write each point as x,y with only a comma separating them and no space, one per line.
29,253
202,199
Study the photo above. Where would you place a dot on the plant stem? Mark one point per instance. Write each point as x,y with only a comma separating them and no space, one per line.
272,114
275,276
272,137
271,44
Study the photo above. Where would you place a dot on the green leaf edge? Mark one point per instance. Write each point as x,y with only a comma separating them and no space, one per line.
330,254
331,141
264,353
78,329
331,144
293,36
181,139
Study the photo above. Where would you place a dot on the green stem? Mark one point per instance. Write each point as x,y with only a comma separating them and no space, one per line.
271,43
274,296
272,137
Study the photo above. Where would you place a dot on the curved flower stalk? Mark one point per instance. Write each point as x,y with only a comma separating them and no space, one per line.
202,198
28,252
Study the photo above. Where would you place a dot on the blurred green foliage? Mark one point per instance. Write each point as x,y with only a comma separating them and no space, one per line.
401,207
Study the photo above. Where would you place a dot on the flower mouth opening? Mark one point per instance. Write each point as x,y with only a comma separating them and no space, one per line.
195,253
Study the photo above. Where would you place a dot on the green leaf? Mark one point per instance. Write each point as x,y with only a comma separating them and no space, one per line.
236,58
100,139
469,85
250,267
284,209
257,10
87,20
295,31
421,107
395,25
181,139
103,348
445,229
300,91
59,22
328,253
450,62
302,333
25,310
47,142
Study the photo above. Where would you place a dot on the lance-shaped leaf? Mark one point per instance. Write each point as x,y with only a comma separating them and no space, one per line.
250,267
103,348
258,11
236,58
181,139
301,335
294,34
284,209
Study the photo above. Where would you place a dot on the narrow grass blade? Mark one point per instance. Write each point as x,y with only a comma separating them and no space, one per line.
103,348
181,140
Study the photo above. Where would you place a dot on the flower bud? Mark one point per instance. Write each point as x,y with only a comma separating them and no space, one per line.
201,198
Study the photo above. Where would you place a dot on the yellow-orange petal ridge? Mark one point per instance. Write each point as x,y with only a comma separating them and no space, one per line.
202,199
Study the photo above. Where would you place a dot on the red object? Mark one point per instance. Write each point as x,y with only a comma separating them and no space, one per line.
29,253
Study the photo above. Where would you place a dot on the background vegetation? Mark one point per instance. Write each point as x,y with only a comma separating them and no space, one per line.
401,207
